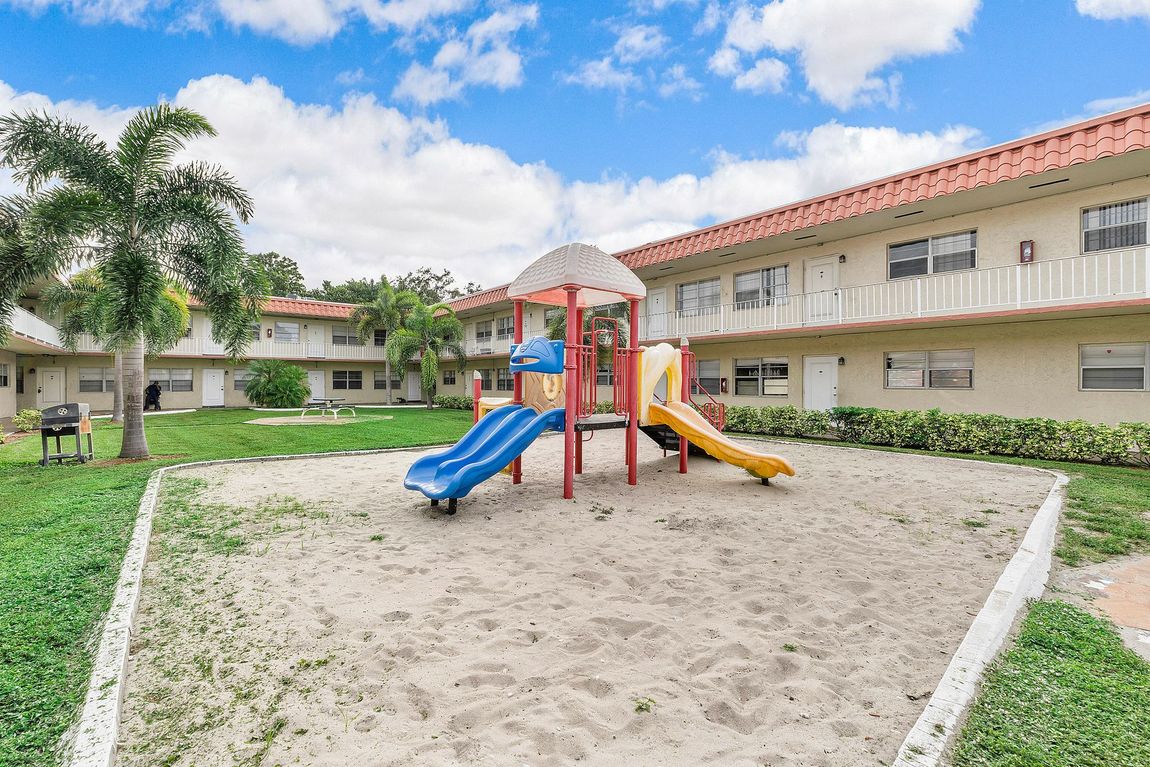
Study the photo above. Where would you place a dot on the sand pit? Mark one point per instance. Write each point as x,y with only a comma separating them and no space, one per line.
314,613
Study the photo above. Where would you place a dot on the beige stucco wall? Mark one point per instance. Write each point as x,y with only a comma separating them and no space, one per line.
1054,223
8,393
1021,369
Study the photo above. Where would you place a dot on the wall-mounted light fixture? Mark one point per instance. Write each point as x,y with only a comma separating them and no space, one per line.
1026,251
842,258
31,371
842,361
269,332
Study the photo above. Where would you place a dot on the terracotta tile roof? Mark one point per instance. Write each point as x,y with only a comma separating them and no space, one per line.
303,307
1090,140
482,298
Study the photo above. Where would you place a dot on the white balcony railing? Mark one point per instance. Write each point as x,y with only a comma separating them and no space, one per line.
1092,278
26,324
263,349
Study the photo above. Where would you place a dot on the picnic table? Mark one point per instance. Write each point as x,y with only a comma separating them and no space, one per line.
326,405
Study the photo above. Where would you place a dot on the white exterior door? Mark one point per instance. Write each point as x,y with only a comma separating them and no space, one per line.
213,387
657,313
316,341
820,383
316,381
820,283
49,387
414,391
209,345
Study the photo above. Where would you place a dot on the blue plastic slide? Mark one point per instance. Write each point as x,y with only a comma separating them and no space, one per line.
498,438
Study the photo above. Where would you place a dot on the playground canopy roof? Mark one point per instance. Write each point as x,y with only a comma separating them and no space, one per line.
600,278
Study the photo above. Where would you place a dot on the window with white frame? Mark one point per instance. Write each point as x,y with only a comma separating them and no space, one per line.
505,327
240,378
287,332
344,335
256,330
4,375
939,369
504,381
1118,225
379,379
933,255
485,378
448,377
763,377
188,330
707,373
1114,366
19,379
97,379
761,287
379,338
347,379
483,331
697,296
171,379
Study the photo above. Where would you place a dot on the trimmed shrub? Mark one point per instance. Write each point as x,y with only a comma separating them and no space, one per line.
977,433
27,420
453,402
275,383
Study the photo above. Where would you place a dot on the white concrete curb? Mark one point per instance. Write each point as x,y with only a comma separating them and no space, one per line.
1023,579
91,741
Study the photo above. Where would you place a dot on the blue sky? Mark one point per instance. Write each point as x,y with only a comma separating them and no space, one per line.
379,135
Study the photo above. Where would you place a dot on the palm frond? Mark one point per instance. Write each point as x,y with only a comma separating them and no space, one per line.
154,135
40,147
201,180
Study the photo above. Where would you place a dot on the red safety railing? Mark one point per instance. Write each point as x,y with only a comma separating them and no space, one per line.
603,334
701,399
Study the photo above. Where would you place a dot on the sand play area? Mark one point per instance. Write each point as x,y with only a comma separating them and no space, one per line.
314,612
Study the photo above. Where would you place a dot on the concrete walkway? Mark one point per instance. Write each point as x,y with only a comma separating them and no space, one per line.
1118,590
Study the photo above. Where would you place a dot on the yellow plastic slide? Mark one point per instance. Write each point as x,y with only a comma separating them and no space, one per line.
687,422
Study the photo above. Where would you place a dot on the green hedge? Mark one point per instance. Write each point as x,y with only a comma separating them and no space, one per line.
953,432
453,402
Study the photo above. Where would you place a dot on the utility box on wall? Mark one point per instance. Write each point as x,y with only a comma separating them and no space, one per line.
1026,251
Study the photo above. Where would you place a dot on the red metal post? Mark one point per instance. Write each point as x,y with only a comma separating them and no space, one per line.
578,453
685,396
476,393
517,389
633,396
571,367
582,393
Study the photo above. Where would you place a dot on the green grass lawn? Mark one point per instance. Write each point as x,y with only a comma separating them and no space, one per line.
1068,694
64,530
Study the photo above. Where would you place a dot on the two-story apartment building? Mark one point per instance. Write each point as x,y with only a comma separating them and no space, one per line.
1013,280
36,371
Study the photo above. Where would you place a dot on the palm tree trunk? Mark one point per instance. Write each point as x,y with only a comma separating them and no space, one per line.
387,373
118,390
135,442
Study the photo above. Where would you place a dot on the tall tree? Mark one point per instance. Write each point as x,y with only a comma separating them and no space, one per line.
428,332
357,291
387,313
433,287
142,222
283,274
557,328
83,306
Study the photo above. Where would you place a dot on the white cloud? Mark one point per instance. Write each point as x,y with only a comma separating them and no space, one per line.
710,20
767,75
1114,9
725,62
482,56
638,42
350,77
1093,108
675,81
603,74
364,189
843,44
129,12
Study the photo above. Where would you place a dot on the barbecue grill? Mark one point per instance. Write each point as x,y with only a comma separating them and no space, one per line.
68,420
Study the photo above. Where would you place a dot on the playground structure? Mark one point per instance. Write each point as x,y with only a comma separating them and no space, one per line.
556,388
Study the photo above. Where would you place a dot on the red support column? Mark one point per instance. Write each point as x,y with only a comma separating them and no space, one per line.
578,453
685,396
517,389
476,393
582,381
572,383
633,396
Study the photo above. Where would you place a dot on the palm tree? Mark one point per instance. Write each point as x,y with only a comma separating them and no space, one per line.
141,221
557,328
428,331
83,306
387,313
